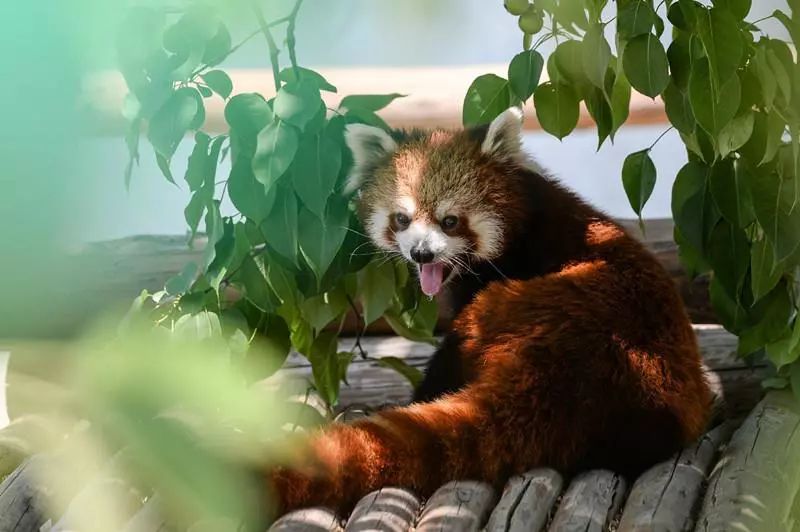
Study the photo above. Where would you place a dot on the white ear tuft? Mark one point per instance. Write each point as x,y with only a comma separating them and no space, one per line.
369,145
503,137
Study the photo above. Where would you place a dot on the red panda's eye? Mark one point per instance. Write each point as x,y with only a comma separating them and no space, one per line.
449,222
402,220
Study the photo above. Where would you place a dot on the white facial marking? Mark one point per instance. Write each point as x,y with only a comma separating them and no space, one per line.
488,229
407,205
367,145
422,234
376,226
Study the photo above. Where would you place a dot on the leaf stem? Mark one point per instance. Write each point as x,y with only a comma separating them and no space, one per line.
360,332
670,128
273,48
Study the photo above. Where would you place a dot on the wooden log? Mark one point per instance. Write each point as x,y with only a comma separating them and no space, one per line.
149,518
387,509
308,520
756,481
664,497
23,502
590,502
459,506
526,502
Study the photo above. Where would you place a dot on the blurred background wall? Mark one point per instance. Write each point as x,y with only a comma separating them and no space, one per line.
379,33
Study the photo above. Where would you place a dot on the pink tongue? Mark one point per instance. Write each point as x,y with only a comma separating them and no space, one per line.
431,276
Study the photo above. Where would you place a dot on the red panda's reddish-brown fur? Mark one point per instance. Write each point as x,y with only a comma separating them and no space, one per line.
571,350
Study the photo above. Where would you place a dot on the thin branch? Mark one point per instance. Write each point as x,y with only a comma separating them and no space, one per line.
273,48
290,40
360,332
670,128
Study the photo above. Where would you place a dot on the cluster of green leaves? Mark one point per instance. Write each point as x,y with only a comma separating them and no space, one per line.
284,271
733,94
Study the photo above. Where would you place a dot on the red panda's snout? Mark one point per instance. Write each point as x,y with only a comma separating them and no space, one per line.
434,198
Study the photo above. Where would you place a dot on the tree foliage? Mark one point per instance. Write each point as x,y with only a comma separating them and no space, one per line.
732,92
284,270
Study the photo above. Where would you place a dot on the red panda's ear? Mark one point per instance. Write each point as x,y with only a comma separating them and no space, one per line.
369,146
503,138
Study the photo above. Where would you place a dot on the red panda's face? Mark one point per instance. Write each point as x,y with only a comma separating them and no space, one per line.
435,199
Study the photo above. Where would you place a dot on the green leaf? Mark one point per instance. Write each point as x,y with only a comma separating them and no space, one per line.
288,75
218,47
596,54
639,179
248,113
599,110
253,276
321,238
776,211
214,231
325,367
679,55
369,102
297,103
678,109
730,313
193,212
634,18
692,205
567,60
766,76
730,189
280,226
219,82
180,284
315,169
412,374
764,272
172,121
377,288
321,310
722,40
645,63
735,134
738,8
620,102
524,72
557,108
276,147
487,97
248,195
712,108
268,350
198,164
729,255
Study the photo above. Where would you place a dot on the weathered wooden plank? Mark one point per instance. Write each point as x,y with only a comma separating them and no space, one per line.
149,518
664,497
460,506
23,503
755,483
526,502
308,520
590,502
387,509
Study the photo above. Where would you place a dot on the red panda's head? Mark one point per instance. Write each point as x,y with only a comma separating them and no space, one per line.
442,199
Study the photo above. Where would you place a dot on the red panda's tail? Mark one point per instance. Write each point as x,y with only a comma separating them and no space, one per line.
419,447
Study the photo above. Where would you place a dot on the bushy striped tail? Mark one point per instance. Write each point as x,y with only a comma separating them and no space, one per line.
418,447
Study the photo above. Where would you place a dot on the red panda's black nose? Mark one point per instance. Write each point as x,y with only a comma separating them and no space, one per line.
422,256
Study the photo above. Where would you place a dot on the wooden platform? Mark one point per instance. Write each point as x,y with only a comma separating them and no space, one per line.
713,483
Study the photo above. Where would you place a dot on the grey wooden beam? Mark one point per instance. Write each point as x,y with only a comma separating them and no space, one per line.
387,509
526,502
23,503
590,502
664,497
756,480
308,520
461,506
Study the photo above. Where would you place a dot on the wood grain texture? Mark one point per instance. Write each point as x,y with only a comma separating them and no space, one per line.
754,485
664,497
149,518
308,520
434,96
590,502
23,503
461,506
526,502
385,510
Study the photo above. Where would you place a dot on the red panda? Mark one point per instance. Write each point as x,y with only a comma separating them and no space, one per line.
569,345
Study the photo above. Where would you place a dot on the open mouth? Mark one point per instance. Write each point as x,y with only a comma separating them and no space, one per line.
432,276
